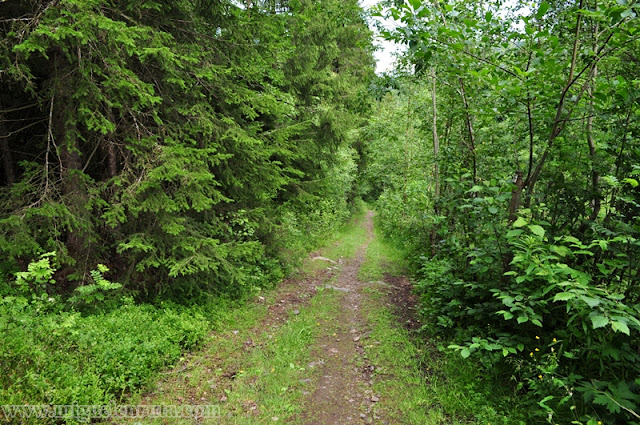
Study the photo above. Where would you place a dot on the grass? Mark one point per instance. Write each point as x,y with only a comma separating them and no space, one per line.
260,382
256,369
381,258
347,240
65,358
420,384
281,367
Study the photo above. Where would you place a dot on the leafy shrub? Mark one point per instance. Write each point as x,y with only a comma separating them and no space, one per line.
55,355
567,341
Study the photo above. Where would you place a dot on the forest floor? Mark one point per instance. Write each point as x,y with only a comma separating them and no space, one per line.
332,345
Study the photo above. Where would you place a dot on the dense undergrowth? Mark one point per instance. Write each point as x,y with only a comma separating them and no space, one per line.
502,163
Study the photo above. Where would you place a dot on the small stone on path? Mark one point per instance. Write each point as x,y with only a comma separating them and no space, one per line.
324,259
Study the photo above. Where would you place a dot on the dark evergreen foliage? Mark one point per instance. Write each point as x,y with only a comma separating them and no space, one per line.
184,144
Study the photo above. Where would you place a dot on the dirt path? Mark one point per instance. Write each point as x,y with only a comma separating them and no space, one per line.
298,355
342,395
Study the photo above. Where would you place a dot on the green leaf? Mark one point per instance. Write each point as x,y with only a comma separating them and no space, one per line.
563,251
506,314
599,321
493,210
415,4
536,230
628,13
590,301
465,353
542,402
522,319
620,327
520,222
602,97
542,10
564,296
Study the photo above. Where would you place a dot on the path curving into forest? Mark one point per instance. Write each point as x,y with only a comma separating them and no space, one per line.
305,353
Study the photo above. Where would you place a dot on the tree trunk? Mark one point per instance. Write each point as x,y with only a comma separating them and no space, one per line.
71,184
596,201
516,195
407,166
112,161
436,139
73,190
472,137
558,122
436,151
5,152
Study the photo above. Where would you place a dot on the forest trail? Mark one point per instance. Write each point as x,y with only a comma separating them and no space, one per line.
343,393
306,353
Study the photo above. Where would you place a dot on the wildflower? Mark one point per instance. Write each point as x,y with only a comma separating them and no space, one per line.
540,376
553,349
537,349
537,337
555,340
531,354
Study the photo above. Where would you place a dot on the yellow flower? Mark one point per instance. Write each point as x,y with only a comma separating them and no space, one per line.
599,422
537,349
540,376
555,340
537,337
531,354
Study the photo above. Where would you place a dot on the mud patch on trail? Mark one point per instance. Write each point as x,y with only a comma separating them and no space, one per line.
403,301
293,294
